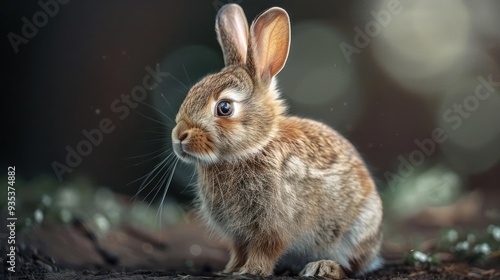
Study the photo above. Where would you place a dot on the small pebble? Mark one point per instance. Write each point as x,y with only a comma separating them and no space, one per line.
195,250
46,200
147,248
482,248
452,235
38,215
462,246
420,257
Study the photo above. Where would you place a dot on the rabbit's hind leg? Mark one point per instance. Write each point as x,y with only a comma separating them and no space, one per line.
324,268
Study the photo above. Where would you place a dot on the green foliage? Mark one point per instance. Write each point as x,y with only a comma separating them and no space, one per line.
418,258
473,247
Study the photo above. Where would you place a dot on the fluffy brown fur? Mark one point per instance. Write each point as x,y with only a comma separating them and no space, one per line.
285,191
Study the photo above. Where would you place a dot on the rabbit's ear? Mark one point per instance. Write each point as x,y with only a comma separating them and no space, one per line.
270,42
232,33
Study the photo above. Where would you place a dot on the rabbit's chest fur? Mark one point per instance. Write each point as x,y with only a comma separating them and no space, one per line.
273,191
239,199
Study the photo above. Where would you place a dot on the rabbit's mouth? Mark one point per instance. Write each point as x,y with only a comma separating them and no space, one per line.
182,154
185,155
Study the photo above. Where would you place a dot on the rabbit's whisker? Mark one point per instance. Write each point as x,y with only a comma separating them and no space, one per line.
152,119
166,186
158,111
147,177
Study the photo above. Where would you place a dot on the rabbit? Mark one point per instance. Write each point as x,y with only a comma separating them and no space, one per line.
286,192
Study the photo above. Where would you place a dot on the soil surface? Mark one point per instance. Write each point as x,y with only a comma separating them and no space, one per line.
182,252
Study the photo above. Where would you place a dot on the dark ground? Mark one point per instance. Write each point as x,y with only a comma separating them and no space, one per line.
74,252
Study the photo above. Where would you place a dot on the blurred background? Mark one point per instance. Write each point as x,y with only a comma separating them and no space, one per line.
414,85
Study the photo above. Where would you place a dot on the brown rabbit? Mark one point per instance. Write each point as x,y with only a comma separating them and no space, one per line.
283,190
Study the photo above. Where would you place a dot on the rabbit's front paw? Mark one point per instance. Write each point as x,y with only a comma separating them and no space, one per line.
222,273
323,268
260,271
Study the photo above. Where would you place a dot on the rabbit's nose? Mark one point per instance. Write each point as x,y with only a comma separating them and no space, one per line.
183,136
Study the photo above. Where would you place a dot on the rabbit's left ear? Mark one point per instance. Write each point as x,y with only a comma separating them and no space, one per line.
232,33
270,42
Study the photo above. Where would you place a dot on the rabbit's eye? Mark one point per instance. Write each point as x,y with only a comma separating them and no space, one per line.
224,108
